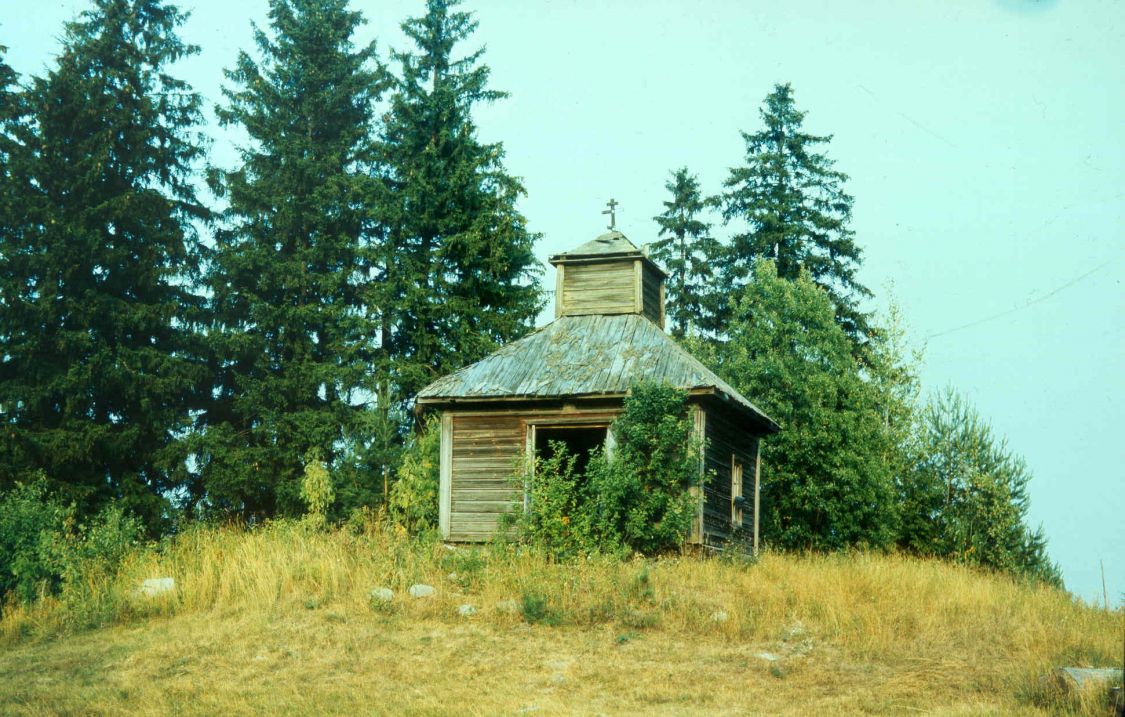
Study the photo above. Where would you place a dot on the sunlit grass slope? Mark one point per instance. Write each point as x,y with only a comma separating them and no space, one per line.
279,620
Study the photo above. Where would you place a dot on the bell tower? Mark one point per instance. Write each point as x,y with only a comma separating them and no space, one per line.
608,275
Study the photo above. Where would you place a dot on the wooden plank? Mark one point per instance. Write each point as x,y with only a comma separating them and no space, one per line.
638,287
445,472
699,434
757,485
560,305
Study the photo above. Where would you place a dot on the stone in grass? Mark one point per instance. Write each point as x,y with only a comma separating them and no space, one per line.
719,616
382,595
795,631
510,607
156,586
466,610
421,590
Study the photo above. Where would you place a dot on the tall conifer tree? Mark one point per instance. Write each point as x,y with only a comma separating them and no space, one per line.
826,482
688,252
795,210
98,366
293,342
457,272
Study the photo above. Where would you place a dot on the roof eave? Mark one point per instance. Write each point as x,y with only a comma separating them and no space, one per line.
760,419
557,259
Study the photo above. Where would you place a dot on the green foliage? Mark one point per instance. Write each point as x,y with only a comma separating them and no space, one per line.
795,211
688,252
537,610
891,374
826,483
455,273
966,498
29,520
45,550
413,500
642,492
292,341
637,499
562,519
316,488
101,358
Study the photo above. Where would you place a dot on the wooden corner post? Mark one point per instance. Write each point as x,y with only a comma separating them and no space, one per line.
445,471
757,487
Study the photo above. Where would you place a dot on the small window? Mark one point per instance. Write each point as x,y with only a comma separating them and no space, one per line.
736,499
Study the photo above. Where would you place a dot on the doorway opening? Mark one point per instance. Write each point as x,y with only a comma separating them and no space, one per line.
580,441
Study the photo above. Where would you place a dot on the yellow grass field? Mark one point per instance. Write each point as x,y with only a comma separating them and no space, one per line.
279,620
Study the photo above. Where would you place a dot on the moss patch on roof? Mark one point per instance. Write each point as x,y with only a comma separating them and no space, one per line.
584,356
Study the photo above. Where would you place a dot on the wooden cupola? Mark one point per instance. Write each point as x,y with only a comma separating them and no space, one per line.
608,275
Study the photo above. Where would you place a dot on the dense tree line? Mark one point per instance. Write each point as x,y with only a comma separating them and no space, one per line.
179,355
174,356
775,308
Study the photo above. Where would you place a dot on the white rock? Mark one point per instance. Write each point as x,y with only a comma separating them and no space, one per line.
508,606
452,577
719,616
382,594
156,586
768,656
794,631
421,590
466,610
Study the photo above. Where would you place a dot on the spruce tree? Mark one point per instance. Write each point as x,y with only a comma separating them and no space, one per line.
795,211
17,198
99,364
456,273
826,483
292,338
688,252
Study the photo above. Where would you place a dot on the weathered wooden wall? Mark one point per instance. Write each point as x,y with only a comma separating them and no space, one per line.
602,288
651,295
726,436
483,449
483,452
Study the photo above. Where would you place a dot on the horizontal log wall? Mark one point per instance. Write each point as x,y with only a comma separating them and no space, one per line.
607,288
485,451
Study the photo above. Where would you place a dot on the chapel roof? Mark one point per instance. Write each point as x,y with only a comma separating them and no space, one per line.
611,245
586,356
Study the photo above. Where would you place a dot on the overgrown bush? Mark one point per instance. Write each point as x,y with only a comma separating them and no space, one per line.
44,550
637,498
316,488
562,520
413,500
29,522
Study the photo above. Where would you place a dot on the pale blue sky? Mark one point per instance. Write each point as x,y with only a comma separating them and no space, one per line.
984,140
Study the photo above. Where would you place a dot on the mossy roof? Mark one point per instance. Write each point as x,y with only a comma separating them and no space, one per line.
585,356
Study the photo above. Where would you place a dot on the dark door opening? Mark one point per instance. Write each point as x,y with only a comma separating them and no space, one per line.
580,441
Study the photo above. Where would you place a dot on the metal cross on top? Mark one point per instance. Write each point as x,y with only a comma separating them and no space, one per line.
612,212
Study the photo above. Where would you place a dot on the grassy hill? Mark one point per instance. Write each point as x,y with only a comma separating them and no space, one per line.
280,620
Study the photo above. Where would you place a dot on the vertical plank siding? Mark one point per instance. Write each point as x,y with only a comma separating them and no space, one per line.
725,438
652,305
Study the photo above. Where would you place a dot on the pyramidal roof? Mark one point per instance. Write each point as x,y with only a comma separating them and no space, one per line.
612,242
585,356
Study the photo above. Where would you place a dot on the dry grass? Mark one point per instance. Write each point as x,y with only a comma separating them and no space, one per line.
279,620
